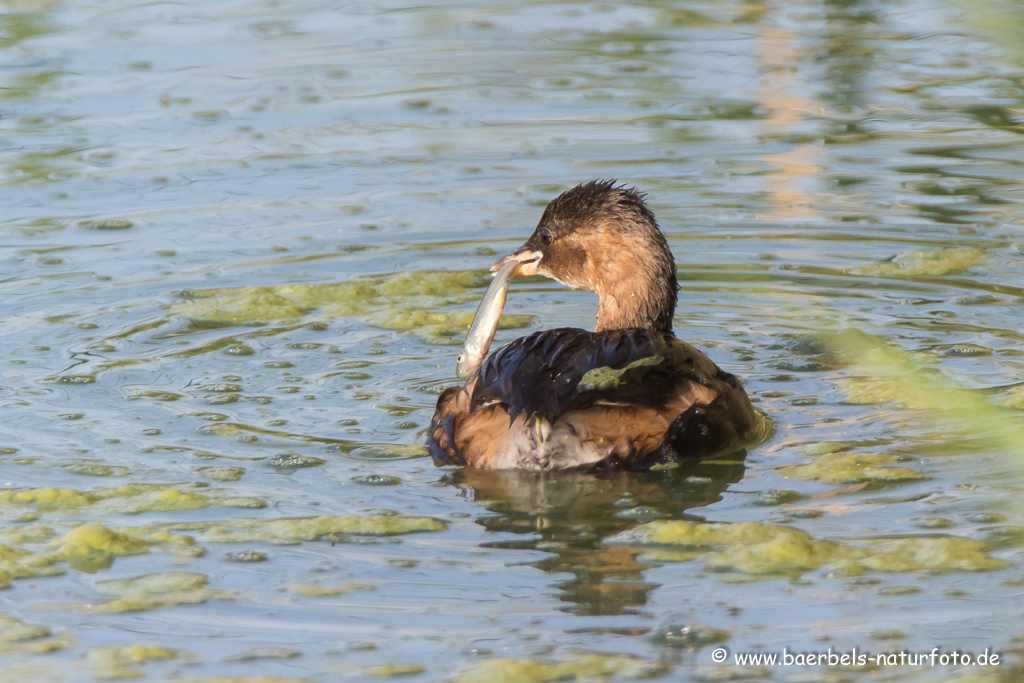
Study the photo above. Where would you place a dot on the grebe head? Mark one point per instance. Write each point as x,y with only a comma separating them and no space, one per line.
602,238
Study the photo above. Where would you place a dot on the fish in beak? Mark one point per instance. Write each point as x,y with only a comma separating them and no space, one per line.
525,255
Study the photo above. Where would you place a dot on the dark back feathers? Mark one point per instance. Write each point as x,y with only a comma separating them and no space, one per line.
541,373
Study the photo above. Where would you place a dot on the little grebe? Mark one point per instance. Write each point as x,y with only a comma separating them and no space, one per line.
627,395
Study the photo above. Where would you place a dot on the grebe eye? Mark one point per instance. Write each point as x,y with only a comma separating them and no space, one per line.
546,235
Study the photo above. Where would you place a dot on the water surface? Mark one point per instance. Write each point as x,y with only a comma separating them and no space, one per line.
242,242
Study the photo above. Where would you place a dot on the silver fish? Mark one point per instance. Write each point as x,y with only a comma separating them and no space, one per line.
485,322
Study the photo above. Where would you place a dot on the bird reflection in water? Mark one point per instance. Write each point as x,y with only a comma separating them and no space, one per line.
571,514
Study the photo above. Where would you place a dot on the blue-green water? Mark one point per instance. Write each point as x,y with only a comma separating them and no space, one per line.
242,229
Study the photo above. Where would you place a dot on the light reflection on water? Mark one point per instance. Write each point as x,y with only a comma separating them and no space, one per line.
817,167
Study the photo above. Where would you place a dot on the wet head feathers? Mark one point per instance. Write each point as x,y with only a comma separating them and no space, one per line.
598,204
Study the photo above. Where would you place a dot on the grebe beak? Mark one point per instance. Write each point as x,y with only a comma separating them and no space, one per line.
525,255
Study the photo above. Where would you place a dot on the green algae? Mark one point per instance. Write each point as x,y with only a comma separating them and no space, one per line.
90,547
437,327
983,677
720,674
116,663
586,668
851,468
240,307
225,430
1014,397
90,538
159,536
18,563
761,550
10,561
317,590
17,637
33,670
393,670
87,548
690,636
899,590
389,452
932,554
258,653
130,499
240,679
155,583
395,302
604,378
290,460
823,447
222,473
151,591
925,262
243,556
93,470
290,531
47,498
26,534
136,499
